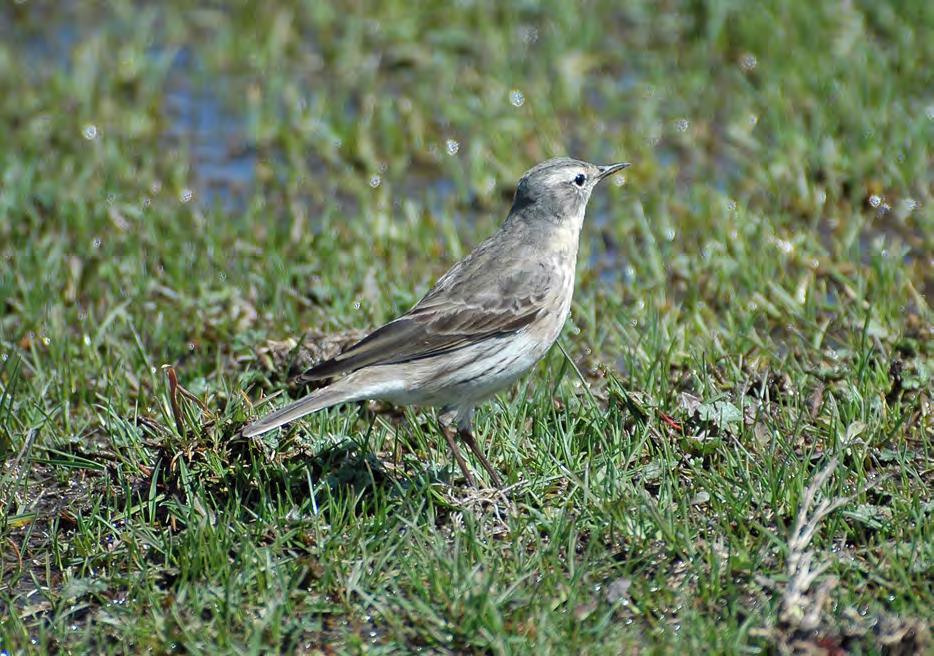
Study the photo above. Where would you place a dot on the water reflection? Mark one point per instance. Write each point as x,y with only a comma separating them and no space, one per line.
223,163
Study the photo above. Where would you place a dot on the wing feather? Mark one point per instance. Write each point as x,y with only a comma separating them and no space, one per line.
476,299
421,334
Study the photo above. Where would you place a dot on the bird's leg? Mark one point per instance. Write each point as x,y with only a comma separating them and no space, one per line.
449,436
465,432
467,436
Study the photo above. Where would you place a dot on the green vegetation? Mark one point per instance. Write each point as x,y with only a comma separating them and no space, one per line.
194,186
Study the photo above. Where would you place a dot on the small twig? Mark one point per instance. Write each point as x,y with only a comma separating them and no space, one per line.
194,398
15,548
800,607
671,422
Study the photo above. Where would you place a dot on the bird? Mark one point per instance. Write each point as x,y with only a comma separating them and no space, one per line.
483,324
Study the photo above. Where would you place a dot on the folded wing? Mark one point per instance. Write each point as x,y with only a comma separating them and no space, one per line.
478,298
426,331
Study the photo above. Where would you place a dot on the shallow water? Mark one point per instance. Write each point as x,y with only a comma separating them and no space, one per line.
223,162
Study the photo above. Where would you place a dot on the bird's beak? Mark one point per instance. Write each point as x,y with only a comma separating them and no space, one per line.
610,169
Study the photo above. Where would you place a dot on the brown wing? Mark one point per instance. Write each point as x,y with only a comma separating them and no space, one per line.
423,332
480,297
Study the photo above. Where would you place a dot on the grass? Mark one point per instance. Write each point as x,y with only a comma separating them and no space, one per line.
750,339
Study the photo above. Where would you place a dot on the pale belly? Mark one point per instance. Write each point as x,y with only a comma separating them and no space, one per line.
469,375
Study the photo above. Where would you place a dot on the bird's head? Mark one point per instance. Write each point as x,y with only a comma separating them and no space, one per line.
558,189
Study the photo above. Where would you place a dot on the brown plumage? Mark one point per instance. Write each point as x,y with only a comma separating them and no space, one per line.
485,322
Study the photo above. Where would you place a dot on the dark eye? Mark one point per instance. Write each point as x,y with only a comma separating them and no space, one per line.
580,179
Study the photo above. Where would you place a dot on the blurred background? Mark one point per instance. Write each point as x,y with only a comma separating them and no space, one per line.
131,125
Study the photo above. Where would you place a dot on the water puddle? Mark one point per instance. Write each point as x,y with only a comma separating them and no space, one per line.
223,162
197,111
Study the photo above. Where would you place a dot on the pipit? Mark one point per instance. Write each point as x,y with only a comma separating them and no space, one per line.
485,322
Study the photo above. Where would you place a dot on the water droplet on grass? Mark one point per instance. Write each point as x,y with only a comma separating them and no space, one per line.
516,98
784,245
375,181
96,243
682,125
748,61
452,146
874,200
90,132
186,195
528,33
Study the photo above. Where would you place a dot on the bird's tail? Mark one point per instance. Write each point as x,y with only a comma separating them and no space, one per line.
317,400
